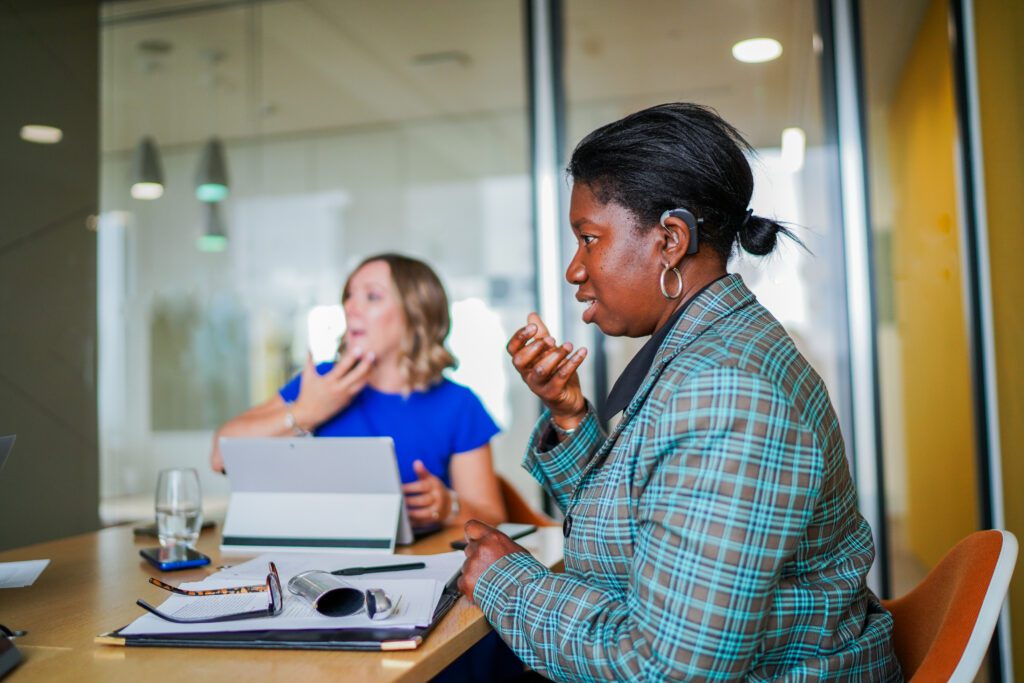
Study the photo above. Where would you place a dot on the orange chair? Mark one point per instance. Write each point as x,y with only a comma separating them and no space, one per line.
942,627
518,510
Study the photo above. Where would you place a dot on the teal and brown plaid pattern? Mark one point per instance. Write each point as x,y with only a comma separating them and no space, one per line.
715,532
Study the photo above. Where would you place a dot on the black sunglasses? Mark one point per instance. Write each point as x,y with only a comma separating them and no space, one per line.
273,589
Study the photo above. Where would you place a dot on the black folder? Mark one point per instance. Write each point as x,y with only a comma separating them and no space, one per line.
367,639
9,656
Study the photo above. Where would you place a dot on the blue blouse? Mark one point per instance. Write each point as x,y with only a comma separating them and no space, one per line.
431,425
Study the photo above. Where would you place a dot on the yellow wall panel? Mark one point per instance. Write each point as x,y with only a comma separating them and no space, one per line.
999,27
941,496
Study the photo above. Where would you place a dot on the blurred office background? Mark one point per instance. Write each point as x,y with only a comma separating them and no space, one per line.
205,173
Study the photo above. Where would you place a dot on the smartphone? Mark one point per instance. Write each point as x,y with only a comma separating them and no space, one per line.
175,557
510,529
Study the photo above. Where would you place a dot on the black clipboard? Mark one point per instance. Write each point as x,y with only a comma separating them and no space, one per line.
365,639
10,658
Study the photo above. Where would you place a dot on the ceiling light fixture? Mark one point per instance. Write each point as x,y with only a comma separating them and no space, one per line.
40,134
794,142
147,172
214,238
757,50
212,176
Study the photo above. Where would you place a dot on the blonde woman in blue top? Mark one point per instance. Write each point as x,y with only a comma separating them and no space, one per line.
713,534
387,381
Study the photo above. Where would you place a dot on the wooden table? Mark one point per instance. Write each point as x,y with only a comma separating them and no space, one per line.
93,580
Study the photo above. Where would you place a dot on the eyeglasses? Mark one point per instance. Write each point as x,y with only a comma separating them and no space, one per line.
262,588
11,633
272,586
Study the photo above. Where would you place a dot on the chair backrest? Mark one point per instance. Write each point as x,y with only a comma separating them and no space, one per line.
518,510
942,627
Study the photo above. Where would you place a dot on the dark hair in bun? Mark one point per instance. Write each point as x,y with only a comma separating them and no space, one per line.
678,155
760,235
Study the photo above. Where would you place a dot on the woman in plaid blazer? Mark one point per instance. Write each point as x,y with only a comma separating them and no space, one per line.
714,533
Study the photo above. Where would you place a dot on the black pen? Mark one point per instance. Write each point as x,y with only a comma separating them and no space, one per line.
356,571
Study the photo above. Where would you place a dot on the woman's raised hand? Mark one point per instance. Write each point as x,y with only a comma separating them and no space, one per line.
322,396
550,371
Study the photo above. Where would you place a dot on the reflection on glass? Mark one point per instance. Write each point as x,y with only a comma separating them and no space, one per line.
623,57
350,129
326,328
478,339
922,341
198,362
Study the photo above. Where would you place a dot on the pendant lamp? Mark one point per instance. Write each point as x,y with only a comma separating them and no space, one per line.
213,238
212,176
147,174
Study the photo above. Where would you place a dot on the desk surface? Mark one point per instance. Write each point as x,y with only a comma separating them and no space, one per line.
93,580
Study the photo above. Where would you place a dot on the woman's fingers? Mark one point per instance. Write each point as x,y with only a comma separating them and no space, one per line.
542,329
421,501
549,370
569,365
351,382
418,486
525,360
520,339
418,515
558,386
361,371
547,365
424,515
345,364
534,327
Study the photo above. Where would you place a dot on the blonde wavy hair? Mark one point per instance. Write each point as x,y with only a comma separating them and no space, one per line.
427,321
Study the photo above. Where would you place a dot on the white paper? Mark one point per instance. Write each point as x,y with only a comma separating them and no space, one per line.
417,592
441,567
417,599
21,574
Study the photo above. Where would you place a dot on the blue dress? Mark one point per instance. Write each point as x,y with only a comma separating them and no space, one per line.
431,425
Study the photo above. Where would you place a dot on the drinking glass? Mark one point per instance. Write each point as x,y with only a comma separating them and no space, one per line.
179,507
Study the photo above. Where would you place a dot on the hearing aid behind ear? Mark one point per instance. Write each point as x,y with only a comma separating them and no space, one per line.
692,222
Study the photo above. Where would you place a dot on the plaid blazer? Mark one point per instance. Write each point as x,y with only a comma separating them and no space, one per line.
715,532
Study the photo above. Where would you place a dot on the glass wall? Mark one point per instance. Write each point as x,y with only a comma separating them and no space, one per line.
1000,90
348,129
925,383
621,57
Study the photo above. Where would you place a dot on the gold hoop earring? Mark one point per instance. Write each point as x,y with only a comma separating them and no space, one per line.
679,281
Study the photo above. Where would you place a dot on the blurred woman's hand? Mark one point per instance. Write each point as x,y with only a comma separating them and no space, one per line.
323,396
427,499
216,459
550,371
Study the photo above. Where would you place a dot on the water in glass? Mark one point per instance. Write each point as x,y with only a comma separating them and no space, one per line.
179,507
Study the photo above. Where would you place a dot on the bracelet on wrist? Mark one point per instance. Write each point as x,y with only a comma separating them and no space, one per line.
455,506
292,424
561,431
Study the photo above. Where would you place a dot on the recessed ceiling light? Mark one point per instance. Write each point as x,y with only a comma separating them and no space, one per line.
756,50
44,135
